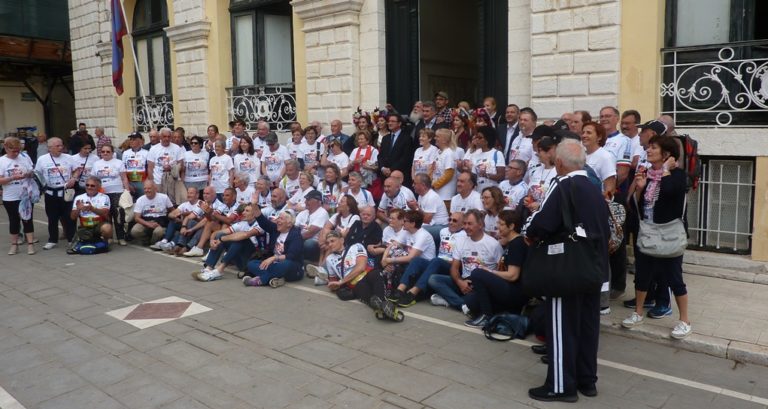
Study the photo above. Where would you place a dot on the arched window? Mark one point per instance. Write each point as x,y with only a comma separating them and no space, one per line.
149,19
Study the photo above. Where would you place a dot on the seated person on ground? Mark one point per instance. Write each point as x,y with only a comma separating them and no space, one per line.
218,215
419,244
341,221
287,262
174,240
92,209
311,220
476,250
392,233
150,212
345,266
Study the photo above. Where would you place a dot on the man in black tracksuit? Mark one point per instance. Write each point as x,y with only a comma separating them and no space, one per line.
573,322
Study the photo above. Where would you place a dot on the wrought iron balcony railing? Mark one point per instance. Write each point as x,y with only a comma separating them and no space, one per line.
716,85
273,103
157,112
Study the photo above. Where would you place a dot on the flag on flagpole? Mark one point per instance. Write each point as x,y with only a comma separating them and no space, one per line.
119,30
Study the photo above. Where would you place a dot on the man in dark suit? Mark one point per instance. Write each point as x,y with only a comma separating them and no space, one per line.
573,322
396,151
508,130
428,120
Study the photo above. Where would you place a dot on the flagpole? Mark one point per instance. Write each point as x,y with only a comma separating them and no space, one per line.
136,66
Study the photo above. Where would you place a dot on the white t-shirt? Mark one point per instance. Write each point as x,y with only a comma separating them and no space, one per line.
135,163
539,182
446,159
244,196
152,208
340,268
363,197
421,240
424,158
521,148
245,226
331,193
312,153
164,155
291,186
98,201
86,163
231,142
341,160
259,146
448,243
400,201
345,223
196,166
388,235
513,193
603,163
462,204
219,167
225,209
109,173
621,148
10,168
372,159
488,160
491,226
296,151
634,141
55,171
431,202
187,207
275,161
304,220
280,244
248,164
484,253
87,217
298,197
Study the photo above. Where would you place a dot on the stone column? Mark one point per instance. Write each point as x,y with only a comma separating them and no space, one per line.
576,49
332,40
190,43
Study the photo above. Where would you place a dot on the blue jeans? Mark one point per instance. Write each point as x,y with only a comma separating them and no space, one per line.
446,288
419,270
188,241
289,270
311,251
237,253
171,230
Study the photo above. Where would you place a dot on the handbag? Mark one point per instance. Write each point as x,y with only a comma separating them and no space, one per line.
662,240
69,193
564,263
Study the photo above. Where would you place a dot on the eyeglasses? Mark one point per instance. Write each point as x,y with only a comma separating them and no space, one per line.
90,185
106,151
454,220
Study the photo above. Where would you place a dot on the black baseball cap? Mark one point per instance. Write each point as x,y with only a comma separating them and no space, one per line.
655,126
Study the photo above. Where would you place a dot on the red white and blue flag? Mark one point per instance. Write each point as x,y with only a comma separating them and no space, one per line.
119,29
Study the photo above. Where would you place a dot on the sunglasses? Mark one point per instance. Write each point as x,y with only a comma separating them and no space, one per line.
90,185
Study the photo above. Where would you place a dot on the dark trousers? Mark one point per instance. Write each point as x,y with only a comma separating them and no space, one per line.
58,210
372,284
117,215
618,262
492,294
573,329
14,219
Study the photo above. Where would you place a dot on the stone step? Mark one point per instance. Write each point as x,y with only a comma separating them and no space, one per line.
725,266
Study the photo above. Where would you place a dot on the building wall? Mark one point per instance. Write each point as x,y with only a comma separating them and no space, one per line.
519,67
15,113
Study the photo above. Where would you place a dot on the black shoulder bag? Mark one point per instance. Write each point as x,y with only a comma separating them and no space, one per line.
563,263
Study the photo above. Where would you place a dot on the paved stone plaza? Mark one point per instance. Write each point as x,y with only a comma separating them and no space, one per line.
63,345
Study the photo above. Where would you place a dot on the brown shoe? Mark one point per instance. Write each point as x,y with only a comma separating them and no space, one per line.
179,251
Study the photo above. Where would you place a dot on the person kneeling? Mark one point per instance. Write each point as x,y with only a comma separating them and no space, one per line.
92,208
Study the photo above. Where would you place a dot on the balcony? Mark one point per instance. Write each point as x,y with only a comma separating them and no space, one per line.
716,85
152,111
273,103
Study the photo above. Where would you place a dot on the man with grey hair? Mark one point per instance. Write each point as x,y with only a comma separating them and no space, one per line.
259,143
154,139
163,157
573,321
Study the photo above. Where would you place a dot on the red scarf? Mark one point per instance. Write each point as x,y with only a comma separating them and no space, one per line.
366,157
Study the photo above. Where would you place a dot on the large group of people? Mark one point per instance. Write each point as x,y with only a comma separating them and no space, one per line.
438,204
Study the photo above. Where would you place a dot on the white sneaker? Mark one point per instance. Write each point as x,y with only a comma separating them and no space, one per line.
204,256
167,246
316,271
122,242
159,245
681,330
466,310
208,275
438,300
632,321
319,281
194,252
48,246
605,311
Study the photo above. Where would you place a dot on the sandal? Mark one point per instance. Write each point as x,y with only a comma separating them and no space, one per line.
384,309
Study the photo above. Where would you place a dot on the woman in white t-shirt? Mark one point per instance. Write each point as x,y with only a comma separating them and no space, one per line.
15,172
84,161
297,146
243,188
425,155
313,150
246,161
485,161
114,182
418,242
364,159
493,204
297,202
355,189
540,176
444,176
336,156
331,187
346,215
221,169
600,160
195,166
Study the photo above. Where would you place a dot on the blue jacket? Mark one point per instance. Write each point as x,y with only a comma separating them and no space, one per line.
294,244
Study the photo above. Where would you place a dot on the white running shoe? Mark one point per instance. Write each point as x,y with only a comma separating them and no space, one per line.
632,321
319,281
159,245
438,300
316,271
681,330
167,246
48,246
466,310
208,275
194,252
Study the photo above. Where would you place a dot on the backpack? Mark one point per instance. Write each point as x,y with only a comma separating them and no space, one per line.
691,160
96,247
617,216
506,326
